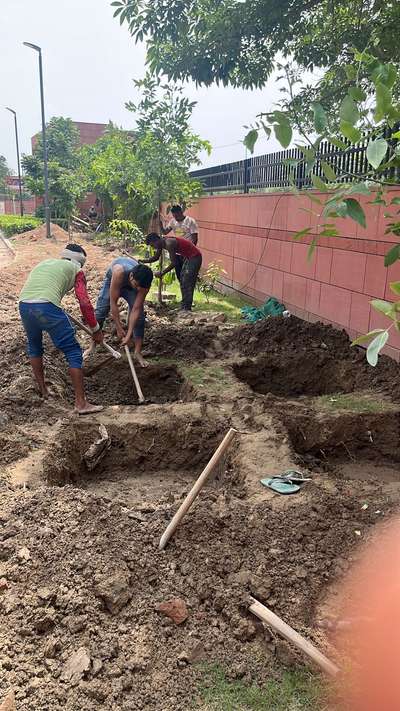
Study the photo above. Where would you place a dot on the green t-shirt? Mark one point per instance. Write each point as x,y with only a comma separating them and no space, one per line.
50,281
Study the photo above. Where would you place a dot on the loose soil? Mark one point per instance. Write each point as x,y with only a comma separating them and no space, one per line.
80,573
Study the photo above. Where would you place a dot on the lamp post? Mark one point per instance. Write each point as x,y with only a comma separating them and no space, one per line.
21,204
45,169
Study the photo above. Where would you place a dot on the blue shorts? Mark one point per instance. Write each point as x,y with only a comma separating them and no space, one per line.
37,318
128,294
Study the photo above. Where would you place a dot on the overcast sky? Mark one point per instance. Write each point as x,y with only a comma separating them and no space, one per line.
89,64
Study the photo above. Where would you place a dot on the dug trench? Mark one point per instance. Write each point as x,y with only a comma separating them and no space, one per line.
81,576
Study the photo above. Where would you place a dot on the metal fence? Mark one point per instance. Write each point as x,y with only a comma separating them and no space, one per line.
277,170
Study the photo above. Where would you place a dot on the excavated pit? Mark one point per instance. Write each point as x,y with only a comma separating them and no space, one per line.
318,374
349,444
156,453
113,384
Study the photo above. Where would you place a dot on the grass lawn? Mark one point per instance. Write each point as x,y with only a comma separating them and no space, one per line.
355,402
296,690
229,304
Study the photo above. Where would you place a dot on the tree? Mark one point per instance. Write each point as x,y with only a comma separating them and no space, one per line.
376,122
4,172
65,183
110,170
237,43
165,146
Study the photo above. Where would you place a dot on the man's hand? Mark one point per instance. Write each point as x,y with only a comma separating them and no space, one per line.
121,333
125,341
98,336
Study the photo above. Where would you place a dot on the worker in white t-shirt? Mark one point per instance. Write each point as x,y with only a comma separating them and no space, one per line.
182,226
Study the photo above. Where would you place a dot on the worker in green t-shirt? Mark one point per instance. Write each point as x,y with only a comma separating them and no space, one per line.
40,310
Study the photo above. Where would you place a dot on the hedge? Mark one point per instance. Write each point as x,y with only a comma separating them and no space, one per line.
14,224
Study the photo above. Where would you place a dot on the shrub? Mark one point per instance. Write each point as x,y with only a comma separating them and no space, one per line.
127,232
14,224
207,281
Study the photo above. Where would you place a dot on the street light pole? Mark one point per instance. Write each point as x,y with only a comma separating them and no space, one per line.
45,168
21,204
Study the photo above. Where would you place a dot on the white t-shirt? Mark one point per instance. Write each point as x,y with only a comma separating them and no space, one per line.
186,228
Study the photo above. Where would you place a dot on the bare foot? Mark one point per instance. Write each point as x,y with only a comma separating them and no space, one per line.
88,409
141,360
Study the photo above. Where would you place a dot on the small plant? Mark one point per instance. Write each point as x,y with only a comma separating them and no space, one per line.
208,280
14,224
127,232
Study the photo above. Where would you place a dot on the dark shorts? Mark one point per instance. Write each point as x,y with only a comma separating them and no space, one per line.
37,318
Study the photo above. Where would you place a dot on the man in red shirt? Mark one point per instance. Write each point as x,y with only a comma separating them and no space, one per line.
192,258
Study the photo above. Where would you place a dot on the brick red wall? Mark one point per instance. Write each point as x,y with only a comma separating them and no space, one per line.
252,236
13,209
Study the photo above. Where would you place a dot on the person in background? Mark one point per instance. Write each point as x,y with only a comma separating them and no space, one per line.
40,310
182,226
192,259
127,279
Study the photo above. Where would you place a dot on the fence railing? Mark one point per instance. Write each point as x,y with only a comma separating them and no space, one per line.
279,170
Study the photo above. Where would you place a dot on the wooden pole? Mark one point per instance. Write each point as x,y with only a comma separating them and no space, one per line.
185,506
134,376
272,620
115,354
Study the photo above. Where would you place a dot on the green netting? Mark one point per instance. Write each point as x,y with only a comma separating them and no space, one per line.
272,307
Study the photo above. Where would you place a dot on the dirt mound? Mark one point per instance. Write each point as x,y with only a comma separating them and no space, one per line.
83,580
164,338
39,234
290,341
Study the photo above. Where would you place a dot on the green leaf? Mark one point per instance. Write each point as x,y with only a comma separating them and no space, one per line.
375,347
392,255
349,111
395,287
357,93
328,171
318,183
396,135
338,143
355,211
385,74
351,71
320,118
283,133
376,151
349,131
395,201
314,198
302,233
359,189
311,249
367,336
251,139
385,307
383,101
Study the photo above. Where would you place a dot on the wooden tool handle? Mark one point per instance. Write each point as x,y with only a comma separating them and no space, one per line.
272,620
134,376
87,330
185,506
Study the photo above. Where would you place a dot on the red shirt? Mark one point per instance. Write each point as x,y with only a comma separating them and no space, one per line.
85,304
186,248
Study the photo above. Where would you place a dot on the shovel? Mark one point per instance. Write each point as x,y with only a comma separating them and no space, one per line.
87,330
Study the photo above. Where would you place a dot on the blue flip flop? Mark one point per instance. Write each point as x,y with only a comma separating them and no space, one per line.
281,486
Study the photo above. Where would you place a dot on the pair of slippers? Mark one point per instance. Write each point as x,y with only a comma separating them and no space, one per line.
289,482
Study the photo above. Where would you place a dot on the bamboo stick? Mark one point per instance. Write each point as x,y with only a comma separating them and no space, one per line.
185,506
